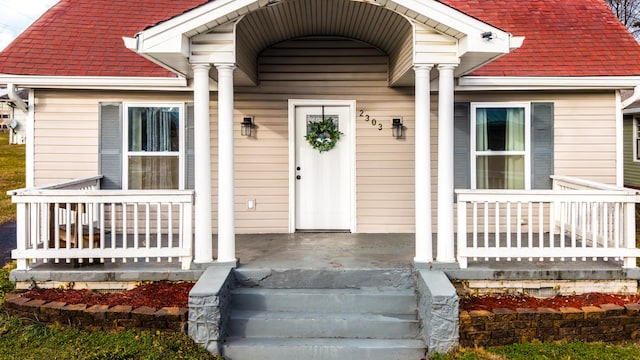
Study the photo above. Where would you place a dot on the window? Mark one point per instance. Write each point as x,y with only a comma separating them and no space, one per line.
500,146
636,138
153,143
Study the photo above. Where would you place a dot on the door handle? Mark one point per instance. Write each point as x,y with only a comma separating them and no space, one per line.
298,177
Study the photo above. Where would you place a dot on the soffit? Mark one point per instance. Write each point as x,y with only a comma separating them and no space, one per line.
372,24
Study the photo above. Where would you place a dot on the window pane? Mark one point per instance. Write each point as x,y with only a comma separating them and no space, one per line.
153,128
500,172
500,129
153,172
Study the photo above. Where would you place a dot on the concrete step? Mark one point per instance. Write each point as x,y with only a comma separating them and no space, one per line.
264,324
325,300
325,278
287,348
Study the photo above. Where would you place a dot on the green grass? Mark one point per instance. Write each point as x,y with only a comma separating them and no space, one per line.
12,175
36,341
549,351
22,339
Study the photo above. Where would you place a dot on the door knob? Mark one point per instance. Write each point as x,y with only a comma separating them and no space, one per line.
298,168
298,177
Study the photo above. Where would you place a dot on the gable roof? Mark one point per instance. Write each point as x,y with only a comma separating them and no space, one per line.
84,38
562,38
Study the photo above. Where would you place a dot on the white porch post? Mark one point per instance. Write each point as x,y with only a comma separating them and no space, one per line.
203,248
445,164
226,209
424,246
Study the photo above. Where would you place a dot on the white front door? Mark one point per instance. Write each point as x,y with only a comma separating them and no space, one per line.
322,179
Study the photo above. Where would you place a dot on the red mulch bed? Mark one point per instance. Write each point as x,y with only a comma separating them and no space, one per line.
156,295
171,294
513,302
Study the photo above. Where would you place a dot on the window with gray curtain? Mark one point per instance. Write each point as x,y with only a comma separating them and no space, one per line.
153,147
500,147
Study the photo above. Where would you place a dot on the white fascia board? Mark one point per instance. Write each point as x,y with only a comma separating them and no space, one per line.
472,27
95,82
156,56
172,31
544,83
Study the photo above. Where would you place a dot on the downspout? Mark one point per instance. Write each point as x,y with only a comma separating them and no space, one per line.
633,98
16,99
29,111
31,143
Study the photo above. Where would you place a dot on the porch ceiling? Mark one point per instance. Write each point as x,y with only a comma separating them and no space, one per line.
254,25
375,25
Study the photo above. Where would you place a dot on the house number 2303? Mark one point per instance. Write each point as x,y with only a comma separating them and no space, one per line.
371,121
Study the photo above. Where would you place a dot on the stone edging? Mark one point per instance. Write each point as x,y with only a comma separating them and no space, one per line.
606,323
97,317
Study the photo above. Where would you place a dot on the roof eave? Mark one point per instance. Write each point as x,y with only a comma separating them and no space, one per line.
95,82
479,83
167,43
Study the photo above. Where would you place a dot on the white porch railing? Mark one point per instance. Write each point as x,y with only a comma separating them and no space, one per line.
74,221
583,220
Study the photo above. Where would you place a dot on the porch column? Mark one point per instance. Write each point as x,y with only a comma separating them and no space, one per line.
203,248
424,246
445,164
226,198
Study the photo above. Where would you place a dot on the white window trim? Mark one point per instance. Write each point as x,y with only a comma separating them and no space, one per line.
527,139
635,139
181,142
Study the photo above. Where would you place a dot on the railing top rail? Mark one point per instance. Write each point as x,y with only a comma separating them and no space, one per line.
57,185
544,195
588,184
99,196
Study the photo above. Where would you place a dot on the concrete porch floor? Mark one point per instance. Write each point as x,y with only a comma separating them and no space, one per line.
330,251
341,251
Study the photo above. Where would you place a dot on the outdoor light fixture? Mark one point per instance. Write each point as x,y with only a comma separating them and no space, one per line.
396,128
246,126
488,35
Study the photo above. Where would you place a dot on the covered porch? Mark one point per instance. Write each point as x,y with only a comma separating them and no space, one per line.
579,230
326,252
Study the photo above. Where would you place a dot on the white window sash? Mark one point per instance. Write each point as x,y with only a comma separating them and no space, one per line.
636,139
181,142
474,154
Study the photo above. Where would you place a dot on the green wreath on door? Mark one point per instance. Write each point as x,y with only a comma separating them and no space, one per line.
323,135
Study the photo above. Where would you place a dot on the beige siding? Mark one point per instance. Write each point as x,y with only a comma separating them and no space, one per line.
584,126
66,130
631,166
401,57
322,69
66,143
433,48
215,46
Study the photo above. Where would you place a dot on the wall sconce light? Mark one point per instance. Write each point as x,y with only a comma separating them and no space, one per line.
397,129
246,126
